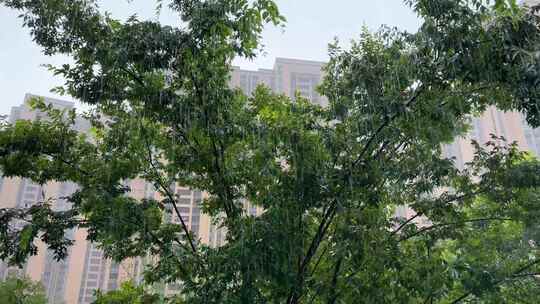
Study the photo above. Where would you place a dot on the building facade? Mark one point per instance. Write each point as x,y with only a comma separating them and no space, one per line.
510,125
288,76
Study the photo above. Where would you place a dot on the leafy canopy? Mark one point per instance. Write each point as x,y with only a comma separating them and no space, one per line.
16,290
128,294
329,178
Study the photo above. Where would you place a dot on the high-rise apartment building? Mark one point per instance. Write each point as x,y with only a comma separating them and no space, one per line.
73,280
288,76
291,75
86,269
510,125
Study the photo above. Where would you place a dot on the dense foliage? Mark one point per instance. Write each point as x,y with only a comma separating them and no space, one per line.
329,178
128,293
16,290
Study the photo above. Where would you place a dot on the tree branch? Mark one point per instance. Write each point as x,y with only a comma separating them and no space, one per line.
335,278
314,245
406,223
169,195
386,123
451,199
517,272
451,224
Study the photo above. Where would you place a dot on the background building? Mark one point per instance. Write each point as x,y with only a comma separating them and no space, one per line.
288,77
510,125
73,280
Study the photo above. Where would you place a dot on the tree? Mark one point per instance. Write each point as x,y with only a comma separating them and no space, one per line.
328,178
16,290
127,294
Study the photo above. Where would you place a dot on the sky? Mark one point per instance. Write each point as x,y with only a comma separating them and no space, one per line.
311,25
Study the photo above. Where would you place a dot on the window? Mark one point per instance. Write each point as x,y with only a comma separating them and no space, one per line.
91,284
174,286
185,201
184,192
94,268
31,188
30,196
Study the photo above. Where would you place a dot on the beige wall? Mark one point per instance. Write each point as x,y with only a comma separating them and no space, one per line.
9,192
76,263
